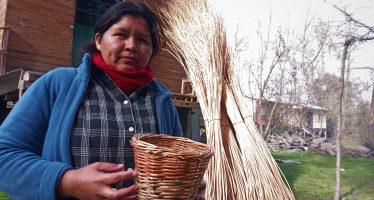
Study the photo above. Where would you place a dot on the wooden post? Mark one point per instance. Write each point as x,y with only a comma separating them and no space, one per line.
3,47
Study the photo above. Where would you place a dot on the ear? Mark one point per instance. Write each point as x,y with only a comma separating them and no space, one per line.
98,41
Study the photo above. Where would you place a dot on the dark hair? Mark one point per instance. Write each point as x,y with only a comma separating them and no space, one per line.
115,13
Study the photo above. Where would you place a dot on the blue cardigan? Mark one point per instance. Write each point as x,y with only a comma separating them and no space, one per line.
34,138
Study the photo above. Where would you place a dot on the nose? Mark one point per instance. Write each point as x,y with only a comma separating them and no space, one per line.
130,44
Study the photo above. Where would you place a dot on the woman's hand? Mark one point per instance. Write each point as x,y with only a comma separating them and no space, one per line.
200,195
94,182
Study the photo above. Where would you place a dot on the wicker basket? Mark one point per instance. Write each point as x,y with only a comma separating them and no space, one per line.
169,167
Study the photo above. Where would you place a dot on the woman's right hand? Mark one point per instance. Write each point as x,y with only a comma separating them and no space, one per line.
94,182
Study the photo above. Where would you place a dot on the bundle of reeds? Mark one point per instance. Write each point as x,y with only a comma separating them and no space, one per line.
242,167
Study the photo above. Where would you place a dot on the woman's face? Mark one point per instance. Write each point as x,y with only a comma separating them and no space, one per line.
127,44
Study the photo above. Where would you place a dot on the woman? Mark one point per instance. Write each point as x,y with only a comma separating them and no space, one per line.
68,136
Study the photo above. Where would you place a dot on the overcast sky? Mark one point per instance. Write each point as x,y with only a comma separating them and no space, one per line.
293,13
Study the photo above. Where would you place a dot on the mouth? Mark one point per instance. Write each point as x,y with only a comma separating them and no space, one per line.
128,60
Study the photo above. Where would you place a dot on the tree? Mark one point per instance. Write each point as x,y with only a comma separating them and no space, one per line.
284,70
362,33
263,70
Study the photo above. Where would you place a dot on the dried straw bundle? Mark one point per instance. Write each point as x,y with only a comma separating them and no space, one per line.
242,167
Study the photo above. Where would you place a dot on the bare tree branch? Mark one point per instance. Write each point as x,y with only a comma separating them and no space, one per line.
369,68
364,38
350,18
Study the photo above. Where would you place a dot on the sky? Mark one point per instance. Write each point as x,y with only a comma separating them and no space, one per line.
247,14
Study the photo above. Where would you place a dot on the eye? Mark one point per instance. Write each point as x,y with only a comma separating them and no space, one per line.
121,35
144,40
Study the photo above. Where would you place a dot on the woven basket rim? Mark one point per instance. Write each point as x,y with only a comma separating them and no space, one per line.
137,142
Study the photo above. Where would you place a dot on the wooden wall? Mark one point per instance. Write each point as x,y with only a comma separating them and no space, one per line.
168,71
41,38
3,6
41,34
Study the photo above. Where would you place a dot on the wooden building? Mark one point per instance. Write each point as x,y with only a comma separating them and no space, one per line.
308,119
39,35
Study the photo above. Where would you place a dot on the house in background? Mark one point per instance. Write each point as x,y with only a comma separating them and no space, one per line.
37,36
304,118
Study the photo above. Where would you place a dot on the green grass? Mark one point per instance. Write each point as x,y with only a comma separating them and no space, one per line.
3,196
314,179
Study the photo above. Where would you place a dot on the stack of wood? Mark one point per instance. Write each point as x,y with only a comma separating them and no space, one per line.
318,144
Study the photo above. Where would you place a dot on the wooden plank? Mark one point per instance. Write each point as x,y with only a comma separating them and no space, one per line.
169,68
185,100
53,5
176,94
45,9
185,104
34,65
32,27
30,65
168,71
3,7
3,47
3,60
18,47
42,34
53,28
31,15
39,57
9,81
31,75
160,59
166,74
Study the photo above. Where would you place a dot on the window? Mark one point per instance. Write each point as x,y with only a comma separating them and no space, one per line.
86,15
89,11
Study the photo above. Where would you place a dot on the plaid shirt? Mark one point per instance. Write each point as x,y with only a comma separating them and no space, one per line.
106,121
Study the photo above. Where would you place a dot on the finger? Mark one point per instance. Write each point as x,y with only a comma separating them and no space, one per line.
108,167
135,173
129,192
111,178
134,197
112,193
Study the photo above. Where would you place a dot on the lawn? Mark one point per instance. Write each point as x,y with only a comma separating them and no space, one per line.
314,178
3,196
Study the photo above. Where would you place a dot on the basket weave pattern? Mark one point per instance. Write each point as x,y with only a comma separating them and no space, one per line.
169,167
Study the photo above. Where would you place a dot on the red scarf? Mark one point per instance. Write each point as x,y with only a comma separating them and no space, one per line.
127,80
